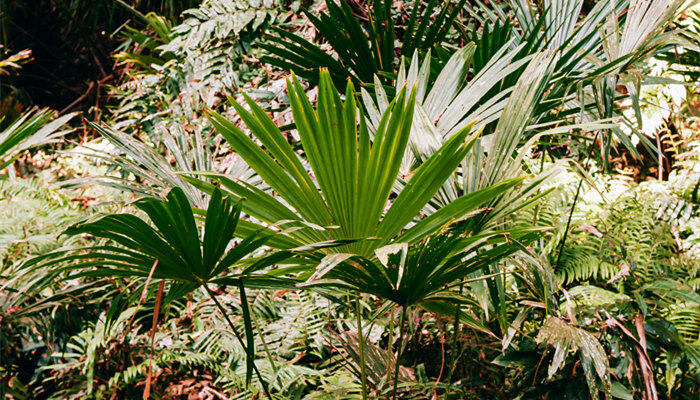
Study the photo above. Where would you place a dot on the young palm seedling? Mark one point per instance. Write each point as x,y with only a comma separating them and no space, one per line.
176,250
340,187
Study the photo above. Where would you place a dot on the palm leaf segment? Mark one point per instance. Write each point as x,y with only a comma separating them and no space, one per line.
354,172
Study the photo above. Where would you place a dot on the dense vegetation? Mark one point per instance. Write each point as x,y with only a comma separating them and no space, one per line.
345,199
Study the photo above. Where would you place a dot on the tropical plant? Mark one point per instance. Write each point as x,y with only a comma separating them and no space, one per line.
35,127
585,70
600,49
176,251
365,45
416,238
348,199
332,132
176,71
441,111
425,274
137,167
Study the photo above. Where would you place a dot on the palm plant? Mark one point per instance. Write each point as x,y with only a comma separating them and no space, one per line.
425,274
505,148
143,170
176,250
599,49
592,51
445,108
349,201
597,53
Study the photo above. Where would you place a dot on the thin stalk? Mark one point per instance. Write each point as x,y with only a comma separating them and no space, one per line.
455,343
537,206
661,156
568,223
264,343
389,351
361,344
399,349
573,206
133,10
240,339
154,328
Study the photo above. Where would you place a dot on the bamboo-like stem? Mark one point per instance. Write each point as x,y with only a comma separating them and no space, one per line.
361,345
537,206
568,222
239,337
399,349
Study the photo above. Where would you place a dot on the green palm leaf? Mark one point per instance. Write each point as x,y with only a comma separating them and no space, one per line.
344,192
426,271
175,250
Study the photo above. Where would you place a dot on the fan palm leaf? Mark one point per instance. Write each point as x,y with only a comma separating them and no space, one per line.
423,272
343,193
175,249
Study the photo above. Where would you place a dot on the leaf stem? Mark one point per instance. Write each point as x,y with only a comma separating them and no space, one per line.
573,206
264,343
390,343
240,339
399,349
455,339
361,344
